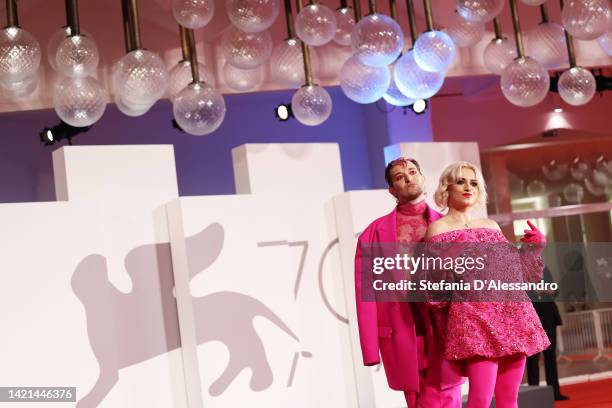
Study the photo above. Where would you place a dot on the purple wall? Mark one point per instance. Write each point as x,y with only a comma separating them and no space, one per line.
204,163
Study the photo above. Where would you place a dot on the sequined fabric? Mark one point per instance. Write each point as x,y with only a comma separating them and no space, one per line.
411,223
493,329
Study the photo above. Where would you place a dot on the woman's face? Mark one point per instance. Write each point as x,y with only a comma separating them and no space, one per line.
465,191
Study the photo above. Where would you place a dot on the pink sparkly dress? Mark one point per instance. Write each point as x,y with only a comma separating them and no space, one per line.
493,329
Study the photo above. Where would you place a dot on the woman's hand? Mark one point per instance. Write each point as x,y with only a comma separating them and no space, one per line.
533,235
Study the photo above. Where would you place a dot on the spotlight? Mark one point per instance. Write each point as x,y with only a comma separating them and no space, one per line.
558,110
419,106
175,125
283,112
59,132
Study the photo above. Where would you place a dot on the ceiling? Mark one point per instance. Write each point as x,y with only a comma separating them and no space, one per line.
159,33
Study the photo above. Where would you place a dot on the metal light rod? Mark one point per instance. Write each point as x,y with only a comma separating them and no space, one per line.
12,20
184,44
127,30
72,17
569,42
134,25
497,28
544,13
428,15
412,21
393,9
305,52
343,4
357,10
516,23
289,19
372,5
193,56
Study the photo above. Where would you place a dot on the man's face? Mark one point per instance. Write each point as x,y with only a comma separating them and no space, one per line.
407,182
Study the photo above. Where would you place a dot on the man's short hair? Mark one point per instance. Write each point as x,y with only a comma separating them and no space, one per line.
400,161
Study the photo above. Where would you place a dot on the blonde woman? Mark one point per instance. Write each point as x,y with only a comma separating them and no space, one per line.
489,340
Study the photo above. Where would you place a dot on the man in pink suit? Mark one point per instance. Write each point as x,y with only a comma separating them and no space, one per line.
402,332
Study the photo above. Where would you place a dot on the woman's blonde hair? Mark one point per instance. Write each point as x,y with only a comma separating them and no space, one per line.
450,175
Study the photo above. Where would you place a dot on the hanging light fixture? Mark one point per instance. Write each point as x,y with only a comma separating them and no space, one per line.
410,78
193,14
524,82
377,39
19,56
577,85
59,35
252,16
180,74
546,42
394,96
345,23
242,80
434,50
311,104
362,83
246,50
79,100
500,51
480,11
286,63
76,55
315,24
198,109
465,34
587,19
140,77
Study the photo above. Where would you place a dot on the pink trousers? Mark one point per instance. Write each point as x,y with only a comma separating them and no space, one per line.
501,377
431,397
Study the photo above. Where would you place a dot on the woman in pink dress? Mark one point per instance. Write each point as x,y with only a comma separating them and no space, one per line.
488,340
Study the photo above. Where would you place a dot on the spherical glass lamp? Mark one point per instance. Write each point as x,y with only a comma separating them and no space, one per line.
577,86
140,78
242,80
79,101
546,44
345,23
287,65
498,54
573,193
199,109
415,82
193,14
465,33
252,16
536,188
434,51
19,55
246,50
77,56
363,83
180,77
132,110
316,24
377,40
605,42
586,19
525,82
22,88
54,41
311,105
394,96
479,11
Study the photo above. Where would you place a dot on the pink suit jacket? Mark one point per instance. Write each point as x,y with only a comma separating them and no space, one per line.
387,329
